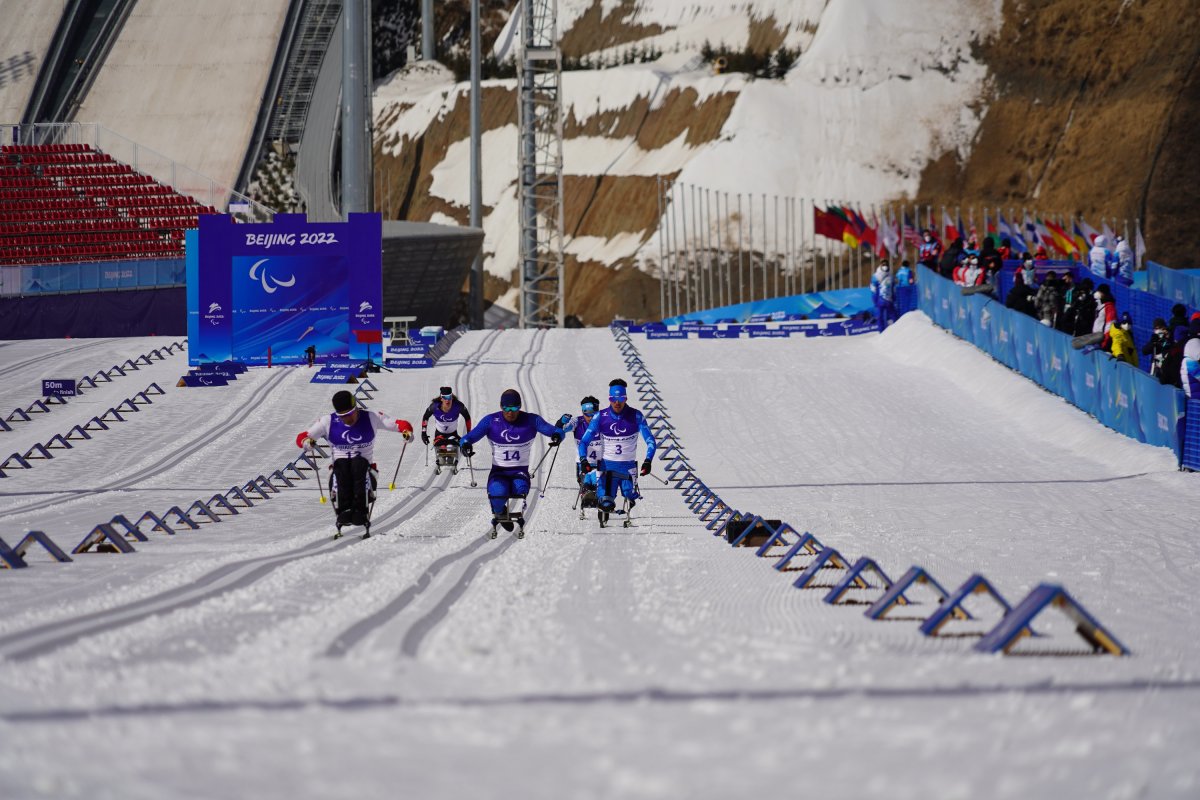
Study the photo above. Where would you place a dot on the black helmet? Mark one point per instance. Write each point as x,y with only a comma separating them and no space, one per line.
343,402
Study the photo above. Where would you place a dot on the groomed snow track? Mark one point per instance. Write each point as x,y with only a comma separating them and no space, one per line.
269,660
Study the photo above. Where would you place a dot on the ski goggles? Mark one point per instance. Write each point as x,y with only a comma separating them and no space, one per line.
616,398
588,408
510,409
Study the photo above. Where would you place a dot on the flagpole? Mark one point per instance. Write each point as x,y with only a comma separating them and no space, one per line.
741,277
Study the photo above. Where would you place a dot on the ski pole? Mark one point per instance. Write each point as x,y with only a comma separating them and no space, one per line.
471,467
660,480
534,471
427,455
392,485
320,488
542,493
578,497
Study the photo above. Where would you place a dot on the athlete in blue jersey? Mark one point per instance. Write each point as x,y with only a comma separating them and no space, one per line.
446,409
619,425
350,432
588,482
511,432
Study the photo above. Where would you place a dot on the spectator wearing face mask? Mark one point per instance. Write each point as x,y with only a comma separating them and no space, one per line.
1020,296
930,250
883,292
1106,315
1121,335
990,260
1049,300
1158,348
1083,308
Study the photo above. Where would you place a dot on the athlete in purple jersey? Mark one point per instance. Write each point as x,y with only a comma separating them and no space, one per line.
350,432
619,425
511,432
445,410
588,408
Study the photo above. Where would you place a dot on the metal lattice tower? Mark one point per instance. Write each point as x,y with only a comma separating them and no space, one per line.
540,184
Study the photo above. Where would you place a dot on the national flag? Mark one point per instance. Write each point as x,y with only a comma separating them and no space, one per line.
828,224
909,232
1060,238
1031,231
1089,233
890,234
1080,238
1004,228
852,233
953,231
1140,248
1109,236
1044,236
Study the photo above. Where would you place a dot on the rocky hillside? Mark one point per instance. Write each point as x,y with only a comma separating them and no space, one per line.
1072,106
1092,108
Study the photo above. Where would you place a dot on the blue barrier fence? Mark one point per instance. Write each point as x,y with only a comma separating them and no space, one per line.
115,534
1177,286
743,528
93,276
1122,397
1143,306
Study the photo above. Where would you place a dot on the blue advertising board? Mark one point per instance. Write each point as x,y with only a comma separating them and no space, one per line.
271,290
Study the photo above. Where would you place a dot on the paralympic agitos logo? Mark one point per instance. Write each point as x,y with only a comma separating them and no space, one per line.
269,282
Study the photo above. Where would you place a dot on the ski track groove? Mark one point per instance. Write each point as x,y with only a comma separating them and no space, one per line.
56,635
6,371
415,634
418,631
235,418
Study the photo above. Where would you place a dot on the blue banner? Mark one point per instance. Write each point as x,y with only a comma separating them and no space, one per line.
817,305
273,290
100,276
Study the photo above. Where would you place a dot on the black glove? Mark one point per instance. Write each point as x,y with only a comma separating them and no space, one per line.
585,467
555,440
645,468
424,438
466,450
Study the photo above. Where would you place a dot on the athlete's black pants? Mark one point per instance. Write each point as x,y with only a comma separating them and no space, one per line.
351,484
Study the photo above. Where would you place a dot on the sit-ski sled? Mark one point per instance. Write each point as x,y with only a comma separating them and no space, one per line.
370,503
446,456
511,521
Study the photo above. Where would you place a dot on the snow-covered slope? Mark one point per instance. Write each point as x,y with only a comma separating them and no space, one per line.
878,92
257,657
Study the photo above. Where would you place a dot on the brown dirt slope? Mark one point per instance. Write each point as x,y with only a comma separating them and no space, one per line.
1094,108
599,205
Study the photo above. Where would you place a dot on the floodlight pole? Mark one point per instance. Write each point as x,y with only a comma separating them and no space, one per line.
476,292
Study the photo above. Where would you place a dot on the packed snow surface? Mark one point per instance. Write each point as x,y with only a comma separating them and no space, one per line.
257,657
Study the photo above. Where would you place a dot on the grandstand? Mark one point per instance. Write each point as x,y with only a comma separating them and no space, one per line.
63,203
